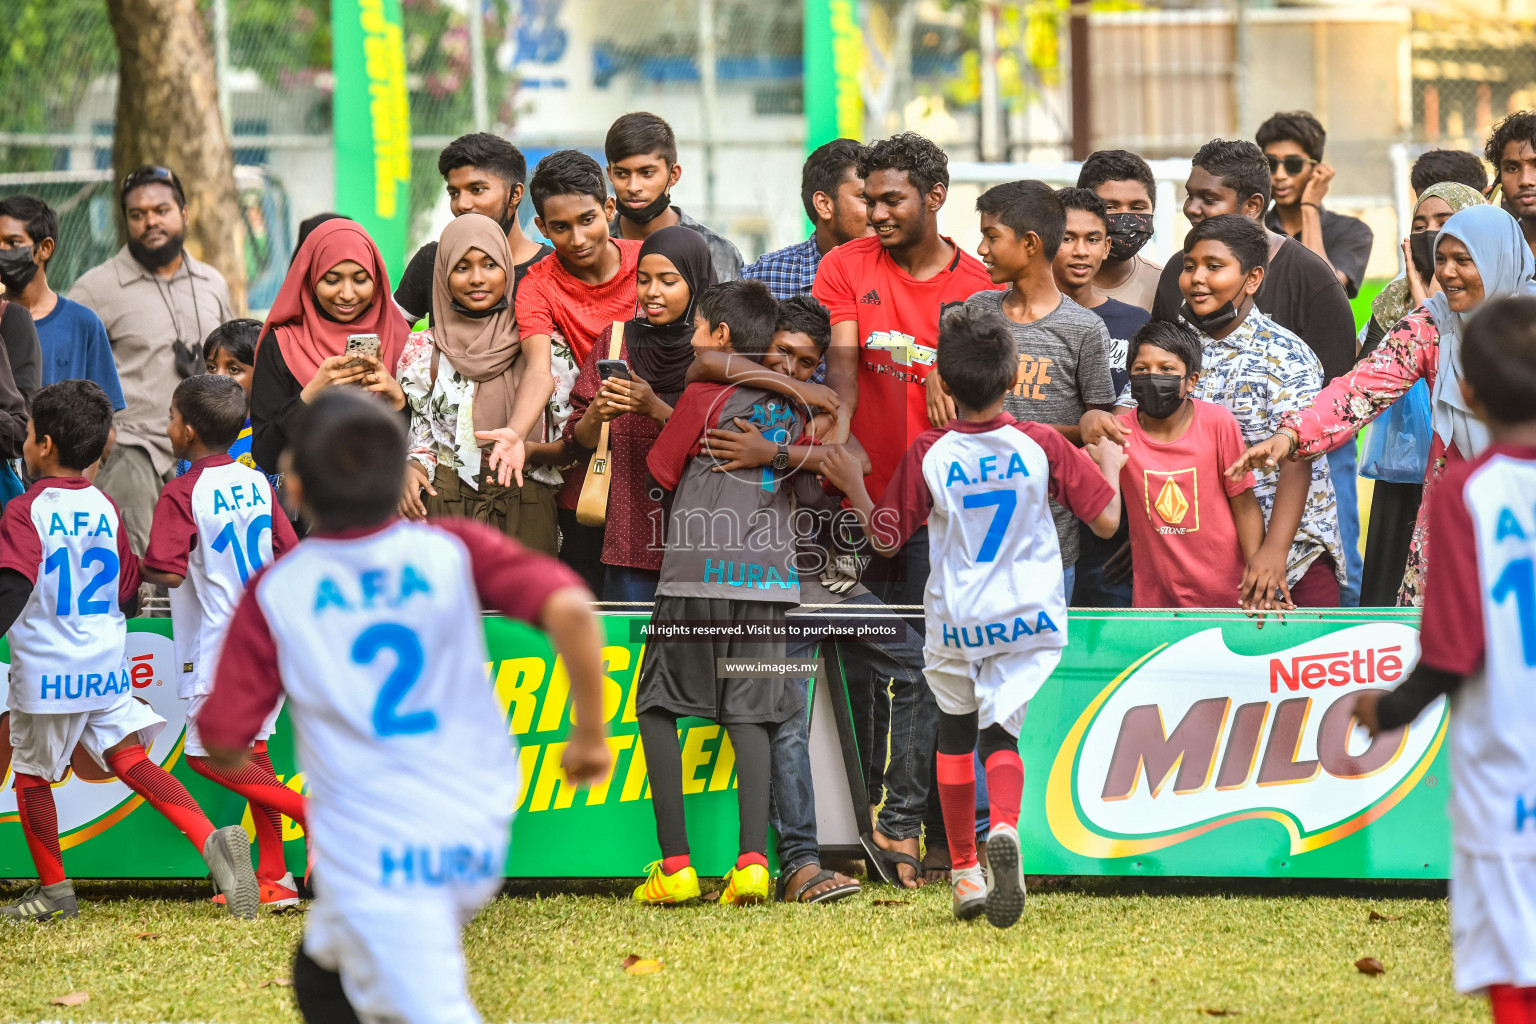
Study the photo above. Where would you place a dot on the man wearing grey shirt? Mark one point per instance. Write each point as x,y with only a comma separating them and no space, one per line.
1063,348
157,304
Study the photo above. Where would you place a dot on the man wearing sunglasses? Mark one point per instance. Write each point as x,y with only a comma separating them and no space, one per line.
157,304
1293,144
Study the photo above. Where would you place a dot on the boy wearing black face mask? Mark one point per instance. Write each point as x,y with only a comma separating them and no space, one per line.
1260,371
1125,183
1192,530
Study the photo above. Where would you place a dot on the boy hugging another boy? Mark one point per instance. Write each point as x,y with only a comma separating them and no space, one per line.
995,605
67,576
728,563
1192,529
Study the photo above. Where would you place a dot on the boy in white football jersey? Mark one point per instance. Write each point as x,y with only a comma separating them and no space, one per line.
214,526
1478,644
995,607
372,628
67,576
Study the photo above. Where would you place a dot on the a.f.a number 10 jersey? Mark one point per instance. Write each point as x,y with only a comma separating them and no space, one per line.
67,646
215,525
995,583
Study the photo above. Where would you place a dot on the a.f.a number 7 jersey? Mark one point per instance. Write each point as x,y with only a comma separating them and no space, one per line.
996,579
377,640
67,646
215,525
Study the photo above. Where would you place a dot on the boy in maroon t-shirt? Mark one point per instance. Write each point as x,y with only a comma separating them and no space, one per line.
1188,545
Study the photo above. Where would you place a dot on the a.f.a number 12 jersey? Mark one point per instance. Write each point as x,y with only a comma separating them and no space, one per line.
67,646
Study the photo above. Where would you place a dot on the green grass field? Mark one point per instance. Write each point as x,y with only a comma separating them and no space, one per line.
1114,950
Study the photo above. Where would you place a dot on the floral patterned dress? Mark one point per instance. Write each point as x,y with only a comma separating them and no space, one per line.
1409,353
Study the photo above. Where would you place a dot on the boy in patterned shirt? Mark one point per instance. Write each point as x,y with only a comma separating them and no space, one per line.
995,606
1479,647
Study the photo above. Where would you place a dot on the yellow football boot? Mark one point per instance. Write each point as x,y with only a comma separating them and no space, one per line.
745,886
662,888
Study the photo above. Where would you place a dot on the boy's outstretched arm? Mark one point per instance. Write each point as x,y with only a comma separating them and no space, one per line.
844,472
732,368
1249,519
1266,567
577,638
747,448
1109,457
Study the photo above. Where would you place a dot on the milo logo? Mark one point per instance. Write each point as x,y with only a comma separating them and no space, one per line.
1194,737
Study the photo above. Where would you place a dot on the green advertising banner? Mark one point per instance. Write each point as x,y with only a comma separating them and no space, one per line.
371,122
834,58
1165,744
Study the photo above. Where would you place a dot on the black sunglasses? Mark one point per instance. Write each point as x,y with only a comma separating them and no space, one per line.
1293,164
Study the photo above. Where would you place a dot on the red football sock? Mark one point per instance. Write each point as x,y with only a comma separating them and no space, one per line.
163,792
672,865
1512,1005
1005,787
957,799
40,824
270,800
751,858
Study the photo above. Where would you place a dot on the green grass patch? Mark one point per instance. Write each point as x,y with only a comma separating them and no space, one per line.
1114,950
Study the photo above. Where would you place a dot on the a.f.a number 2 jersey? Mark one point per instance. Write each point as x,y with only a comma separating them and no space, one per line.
67,646
377,640
215,525
996,579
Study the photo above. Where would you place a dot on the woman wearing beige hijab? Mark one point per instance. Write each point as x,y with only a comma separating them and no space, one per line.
460,378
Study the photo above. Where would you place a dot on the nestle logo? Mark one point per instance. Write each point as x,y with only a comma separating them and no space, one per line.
1340,668
871,297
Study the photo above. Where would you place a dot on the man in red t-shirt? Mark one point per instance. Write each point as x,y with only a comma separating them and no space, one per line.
885,294
567,299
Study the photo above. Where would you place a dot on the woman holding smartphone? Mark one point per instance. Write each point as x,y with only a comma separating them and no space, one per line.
336,288
636,397
461,378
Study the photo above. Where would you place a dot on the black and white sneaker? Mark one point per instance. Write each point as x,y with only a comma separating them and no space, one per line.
43,903
1005,877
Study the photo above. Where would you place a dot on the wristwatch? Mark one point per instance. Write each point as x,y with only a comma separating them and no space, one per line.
781,460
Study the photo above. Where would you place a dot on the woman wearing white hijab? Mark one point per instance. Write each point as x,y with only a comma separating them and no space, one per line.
1479,255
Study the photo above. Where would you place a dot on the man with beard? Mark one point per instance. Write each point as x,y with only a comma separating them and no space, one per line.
157,304
485,174
642,165
1512,151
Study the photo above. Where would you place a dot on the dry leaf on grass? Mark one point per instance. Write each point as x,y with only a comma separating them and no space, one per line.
1384,917
710,897
640,965
1221,1013
889,903
1369,965
147,935
72,999
280,982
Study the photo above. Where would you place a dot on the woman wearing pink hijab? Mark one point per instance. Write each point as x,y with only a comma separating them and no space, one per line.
337,286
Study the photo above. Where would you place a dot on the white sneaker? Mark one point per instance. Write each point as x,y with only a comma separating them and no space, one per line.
970,891
1005,883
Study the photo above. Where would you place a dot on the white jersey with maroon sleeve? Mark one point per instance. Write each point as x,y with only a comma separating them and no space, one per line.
377,641
985,487
215,525
1480,623
67,646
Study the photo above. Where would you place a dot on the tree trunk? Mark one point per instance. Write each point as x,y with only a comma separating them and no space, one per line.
168,114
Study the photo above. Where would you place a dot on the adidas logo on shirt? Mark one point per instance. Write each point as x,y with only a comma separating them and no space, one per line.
872,297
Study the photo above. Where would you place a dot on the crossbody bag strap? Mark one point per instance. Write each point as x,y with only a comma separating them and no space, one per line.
600,457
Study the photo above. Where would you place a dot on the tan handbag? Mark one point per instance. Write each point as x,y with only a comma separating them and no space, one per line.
592,506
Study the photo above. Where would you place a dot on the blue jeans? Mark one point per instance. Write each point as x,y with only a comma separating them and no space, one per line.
626,583
1341,467
870,666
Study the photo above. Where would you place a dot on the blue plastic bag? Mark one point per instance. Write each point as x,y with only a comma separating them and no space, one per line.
1397,447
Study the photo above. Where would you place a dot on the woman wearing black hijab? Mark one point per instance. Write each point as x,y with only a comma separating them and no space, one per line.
675,267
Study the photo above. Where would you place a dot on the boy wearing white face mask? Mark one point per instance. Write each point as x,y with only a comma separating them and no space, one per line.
1192,530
